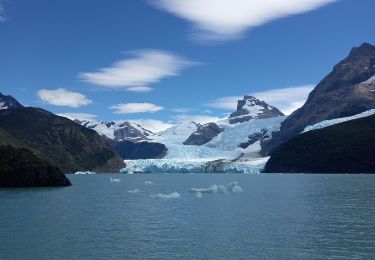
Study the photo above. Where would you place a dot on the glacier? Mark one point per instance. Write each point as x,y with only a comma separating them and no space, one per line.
335,121
253,166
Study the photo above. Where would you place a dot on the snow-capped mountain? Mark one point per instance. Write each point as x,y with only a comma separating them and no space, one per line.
118,131
8,102
252,108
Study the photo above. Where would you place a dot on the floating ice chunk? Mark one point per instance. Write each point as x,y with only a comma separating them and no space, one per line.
234,187
212,189
148,182
173,195
199,195
85,172
114,180
134,191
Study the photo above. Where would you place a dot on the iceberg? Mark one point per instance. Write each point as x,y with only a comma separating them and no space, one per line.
173,195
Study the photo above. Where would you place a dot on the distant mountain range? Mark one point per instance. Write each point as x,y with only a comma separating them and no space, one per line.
337,117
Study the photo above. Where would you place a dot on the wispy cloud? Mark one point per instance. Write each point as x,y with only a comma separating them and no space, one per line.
139,72
80,116
215,20
63,97
131,108
285,99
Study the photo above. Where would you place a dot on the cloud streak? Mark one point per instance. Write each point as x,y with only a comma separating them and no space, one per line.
285,99
132,108
139,72
2,17
215,20
63,97
80,116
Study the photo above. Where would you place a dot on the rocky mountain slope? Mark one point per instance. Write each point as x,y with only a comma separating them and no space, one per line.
252,108
58,140
21,168
347,147
346,91
203,134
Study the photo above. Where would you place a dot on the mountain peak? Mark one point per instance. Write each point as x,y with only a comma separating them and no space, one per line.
8,102
252,108
364,49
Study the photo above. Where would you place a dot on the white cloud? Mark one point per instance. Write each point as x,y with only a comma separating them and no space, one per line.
62,97
139,89
200,119
181,110
285,99
130,108
228,19
80,116
152,124
137,73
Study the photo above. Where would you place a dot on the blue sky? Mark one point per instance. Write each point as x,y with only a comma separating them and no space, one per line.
171,60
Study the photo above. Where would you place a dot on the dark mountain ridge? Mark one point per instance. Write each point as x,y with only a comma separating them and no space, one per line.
344,92
62,142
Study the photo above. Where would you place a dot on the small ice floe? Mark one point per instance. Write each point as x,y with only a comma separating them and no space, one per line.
114,180
134,191
148,182
234,187
211,189
84,172
173,195
199,195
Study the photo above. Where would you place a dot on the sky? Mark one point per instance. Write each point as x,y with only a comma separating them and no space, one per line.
162,62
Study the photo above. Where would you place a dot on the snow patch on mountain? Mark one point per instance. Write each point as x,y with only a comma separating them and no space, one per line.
335,121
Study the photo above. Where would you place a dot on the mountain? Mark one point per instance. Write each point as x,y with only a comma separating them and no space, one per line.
252,108
118,131
21,168
347,147
203,134
348,90
8,102
58,140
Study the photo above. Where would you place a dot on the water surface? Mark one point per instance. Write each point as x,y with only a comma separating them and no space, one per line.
275,217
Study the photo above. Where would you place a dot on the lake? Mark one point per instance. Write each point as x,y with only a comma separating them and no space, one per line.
275,217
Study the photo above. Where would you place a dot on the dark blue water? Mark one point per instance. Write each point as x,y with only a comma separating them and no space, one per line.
275,217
